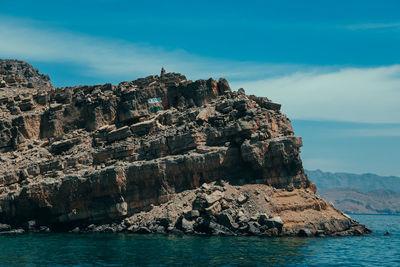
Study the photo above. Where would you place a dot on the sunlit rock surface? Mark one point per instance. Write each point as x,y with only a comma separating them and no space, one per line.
79,158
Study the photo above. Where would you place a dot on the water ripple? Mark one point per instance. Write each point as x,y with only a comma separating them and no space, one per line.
148,250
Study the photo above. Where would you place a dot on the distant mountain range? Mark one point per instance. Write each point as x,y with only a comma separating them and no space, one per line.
355,193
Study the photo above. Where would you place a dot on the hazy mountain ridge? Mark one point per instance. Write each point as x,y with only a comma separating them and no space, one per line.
353,201
364,182
355,193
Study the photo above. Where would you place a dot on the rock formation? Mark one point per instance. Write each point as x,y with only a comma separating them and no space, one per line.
158,154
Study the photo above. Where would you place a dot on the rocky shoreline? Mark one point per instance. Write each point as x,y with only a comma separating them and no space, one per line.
225,210
160,154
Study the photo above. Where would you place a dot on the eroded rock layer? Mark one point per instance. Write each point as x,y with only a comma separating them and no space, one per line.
76,156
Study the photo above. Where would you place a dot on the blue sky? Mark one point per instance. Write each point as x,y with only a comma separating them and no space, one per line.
334,65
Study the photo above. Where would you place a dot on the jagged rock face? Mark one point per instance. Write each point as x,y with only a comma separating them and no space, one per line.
16,73
92,154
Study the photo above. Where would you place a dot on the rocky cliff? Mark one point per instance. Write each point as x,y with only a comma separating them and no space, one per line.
174,151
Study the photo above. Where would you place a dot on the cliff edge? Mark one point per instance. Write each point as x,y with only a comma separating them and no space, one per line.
157,155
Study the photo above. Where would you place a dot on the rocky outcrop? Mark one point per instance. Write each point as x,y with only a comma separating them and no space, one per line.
19,74
95,155
252,209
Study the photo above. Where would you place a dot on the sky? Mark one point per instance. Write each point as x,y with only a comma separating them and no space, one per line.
333,65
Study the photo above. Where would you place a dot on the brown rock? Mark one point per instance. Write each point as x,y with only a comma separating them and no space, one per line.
75,156
214,209
214,197
242,199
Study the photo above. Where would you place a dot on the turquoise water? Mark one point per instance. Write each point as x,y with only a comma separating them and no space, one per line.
146,250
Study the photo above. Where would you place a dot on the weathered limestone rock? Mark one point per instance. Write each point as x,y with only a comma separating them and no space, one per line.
15,73
78,158
214,197
255,217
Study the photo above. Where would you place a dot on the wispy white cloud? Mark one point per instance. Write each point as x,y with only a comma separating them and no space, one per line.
348,94
30,40
369,26
307,92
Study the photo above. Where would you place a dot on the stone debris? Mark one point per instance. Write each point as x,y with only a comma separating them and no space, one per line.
184,215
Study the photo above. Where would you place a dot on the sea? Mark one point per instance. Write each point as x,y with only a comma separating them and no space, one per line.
67,249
